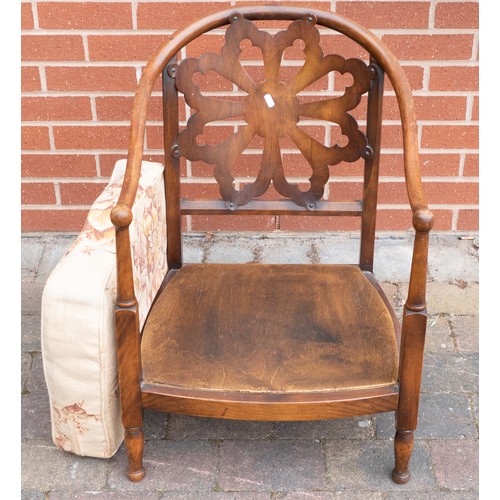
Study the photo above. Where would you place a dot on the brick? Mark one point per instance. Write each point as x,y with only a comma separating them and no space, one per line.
415,75
463,15
343,46
433,47
124,47
439,164
81,193
429,107
52,48
160,15
53,165
119,108
435,192
454,78
398,219
468,220
392,136
107,162
30,79
84,15
55,108
386,14
354,169
200,191
87,137
271,465
471,165
475,108
52,220
203,44
33,138
26,16
39,193
450,136
456,463
75,79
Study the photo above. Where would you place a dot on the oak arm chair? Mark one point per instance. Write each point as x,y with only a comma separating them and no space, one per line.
260,341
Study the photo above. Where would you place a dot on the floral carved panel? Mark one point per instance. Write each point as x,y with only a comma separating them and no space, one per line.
271,109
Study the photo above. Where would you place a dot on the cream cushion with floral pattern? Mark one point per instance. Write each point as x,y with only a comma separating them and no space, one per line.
78,338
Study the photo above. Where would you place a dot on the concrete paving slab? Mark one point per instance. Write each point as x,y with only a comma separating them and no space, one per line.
31,254
456,300
217,495
31,298
438,336
456,372
271,465
188,427
102,495
329,495
440,416
344,428
466,331
47,468
367,466
30,333
456,464
170,466
434,495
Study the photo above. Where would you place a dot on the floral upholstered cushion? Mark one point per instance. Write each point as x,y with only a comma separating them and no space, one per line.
78,338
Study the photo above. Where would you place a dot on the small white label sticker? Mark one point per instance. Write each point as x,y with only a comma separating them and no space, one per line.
269,100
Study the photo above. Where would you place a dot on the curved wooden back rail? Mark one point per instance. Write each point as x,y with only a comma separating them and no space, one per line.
382,61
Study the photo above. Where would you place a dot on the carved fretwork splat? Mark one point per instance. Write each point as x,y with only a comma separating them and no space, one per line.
272,110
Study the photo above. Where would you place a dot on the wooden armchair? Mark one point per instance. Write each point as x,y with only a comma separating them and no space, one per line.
261,341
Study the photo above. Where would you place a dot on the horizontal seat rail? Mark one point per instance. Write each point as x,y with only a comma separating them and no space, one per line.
272,207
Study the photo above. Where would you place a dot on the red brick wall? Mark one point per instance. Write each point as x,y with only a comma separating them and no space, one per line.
81,62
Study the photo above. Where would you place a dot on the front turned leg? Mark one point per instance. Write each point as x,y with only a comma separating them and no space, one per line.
134,442
403,446
128,353
410,375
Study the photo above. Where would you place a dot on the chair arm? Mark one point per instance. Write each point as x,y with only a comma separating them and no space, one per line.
423,220
78,338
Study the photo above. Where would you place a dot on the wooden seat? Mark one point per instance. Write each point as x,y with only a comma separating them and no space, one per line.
262,341
269,329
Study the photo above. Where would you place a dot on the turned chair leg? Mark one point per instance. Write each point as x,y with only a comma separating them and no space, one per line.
410,375
403,446
129,371
134,442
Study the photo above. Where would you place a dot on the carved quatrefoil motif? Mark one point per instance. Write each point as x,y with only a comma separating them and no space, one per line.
272,110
